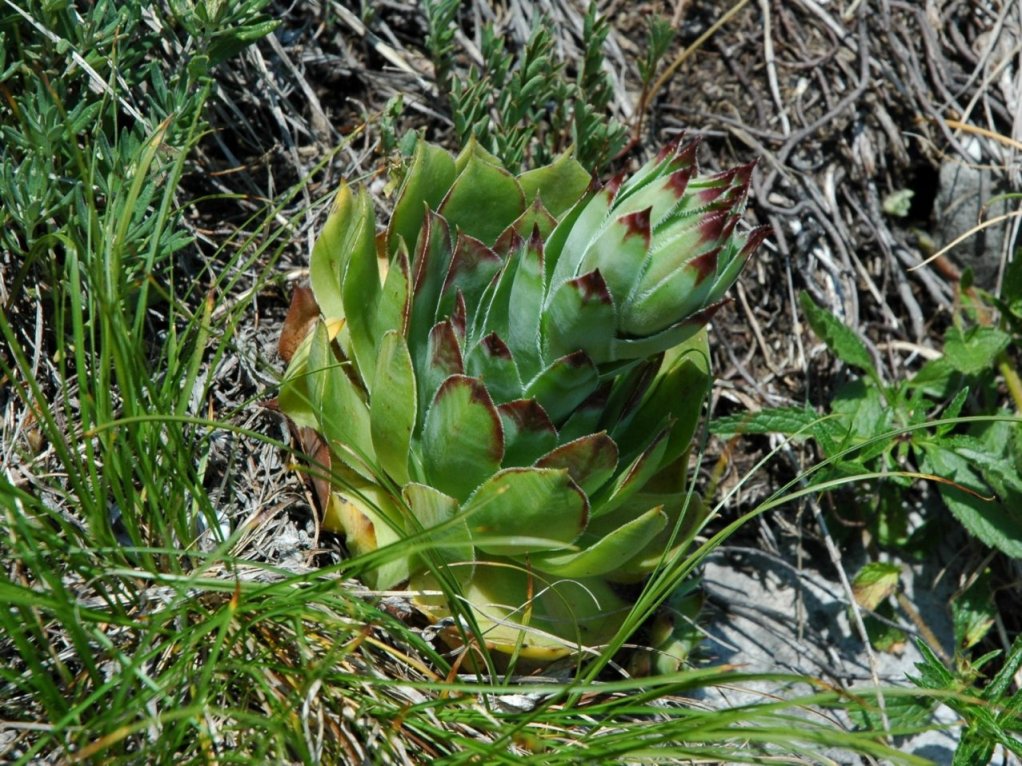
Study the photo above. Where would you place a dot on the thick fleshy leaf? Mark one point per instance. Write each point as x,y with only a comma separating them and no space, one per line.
527,307
462,438
632,479
361,286
536,217
564,384
483,200
604,555
559,185
618,253
340,410
301,318
395,307
637,348
426,183
665,547
429,266
521,510
522,612
585,419
430,509
528,432
490,360
393,411
677,393
590,460
332,251
472,268
580,315
473,151
369,520
443,358
571,238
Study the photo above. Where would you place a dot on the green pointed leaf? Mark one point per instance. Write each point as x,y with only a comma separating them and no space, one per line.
571,238
603,556
638,348
475,152
677,393
590,460
523,613
564,385
580,315
682,292
330,255
619,252
430,509
442,359
559,185
361,287
585,419
840,339
527,292
429,267
528,432
634,478
427,182
394,310
535,218
520,510
367,516
393,412
341,413
462,439
483,200
472,268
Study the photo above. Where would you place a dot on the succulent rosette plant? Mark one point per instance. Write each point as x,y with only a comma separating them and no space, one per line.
505,382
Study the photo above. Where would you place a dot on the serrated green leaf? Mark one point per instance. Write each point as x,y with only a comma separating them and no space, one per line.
974,504
791,421
462,438
840,339
522,510
974,350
